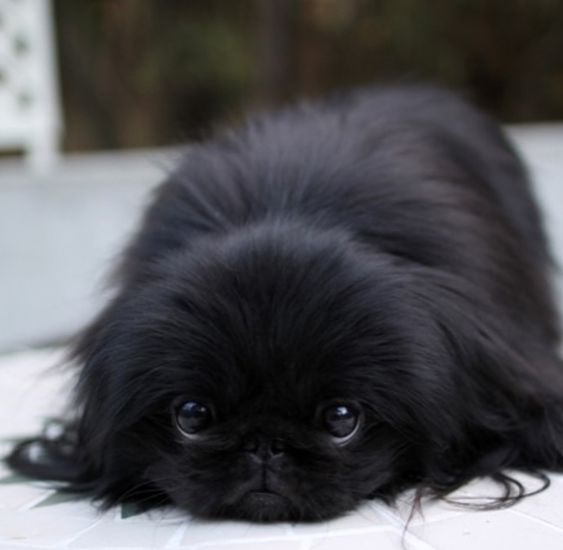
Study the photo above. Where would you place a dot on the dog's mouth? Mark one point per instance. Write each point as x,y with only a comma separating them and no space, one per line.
265,498
264,505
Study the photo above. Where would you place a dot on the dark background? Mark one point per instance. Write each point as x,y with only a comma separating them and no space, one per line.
152,72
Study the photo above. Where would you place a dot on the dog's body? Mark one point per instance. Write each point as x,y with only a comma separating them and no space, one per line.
331,303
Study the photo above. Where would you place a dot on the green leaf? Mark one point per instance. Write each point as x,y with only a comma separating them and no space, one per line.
131,509
14,478
59,497
15,439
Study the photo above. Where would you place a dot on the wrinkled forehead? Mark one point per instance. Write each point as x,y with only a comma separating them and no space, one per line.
249,372
315,328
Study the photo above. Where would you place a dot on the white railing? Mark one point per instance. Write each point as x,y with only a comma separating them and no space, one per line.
30,119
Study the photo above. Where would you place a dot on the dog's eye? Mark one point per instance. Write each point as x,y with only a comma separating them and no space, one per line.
340,421
192,417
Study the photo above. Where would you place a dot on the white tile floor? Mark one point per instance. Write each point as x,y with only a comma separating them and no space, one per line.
34,516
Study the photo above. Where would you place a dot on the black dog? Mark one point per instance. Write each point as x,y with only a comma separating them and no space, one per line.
332,303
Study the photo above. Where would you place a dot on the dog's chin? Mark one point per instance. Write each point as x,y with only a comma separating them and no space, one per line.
264,506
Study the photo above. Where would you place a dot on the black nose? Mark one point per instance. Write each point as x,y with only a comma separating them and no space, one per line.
264,448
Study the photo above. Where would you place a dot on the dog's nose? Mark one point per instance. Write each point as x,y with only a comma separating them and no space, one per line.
264,448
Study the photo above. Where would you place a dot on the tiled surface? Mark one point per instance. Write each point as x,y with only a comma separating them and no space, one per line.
33,516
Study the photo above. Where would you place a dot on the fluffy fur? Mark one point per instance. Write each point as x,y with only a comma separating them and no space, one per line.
380,248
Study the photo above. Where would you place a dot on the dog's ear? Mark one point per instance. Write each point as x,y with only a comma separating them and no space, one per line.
50,456
72,451
59,453
111,399
525,407
508,393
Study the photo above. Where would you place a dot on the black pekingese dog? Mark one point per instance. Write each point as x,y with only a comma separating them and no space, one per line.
332,303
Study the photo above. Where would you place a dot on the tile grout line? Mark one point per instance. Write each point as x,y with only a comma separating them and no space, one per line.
398,526
177,536
537,520
71,539
34,502
297,538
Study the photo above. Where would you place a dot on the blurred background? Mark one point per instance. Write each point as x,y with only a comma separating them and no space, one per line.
137,74
127,81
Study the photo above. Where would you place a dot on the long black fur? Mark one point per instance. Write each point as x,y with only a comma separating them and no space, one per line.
381,247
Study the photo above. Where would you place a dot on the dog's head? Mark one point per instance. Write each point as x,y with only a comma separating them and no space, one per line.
273,374
278,373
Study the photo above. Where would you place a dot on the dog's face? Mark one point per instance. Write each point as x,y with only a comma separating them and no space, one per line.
266,378
318,308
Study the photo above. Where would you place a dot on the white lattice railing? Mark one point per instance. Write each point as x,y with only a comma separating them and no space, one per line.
29,109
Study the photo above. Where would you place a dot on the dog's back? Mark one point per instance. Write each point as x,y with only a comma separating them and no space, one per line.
411,171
